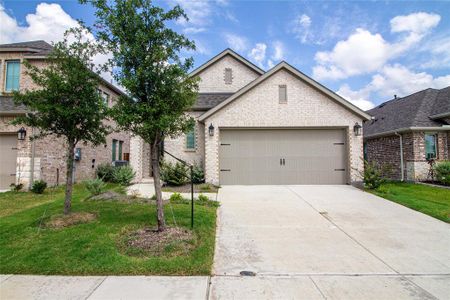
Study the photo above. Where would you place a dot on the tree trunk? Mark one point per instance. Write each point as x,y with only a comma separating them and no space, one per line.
157,183
69,176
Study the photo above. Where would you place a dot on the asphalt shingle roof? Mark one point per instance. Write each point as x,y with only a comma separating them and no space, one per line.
7,105
207,101
410,111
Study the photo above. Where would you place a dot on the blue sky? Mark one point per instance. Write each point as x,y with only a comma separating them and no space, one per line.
365,51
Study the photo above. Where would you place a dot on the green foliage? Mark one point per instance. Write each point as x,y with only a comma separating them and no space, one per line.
174,174
16,187
95,186
39,186
372,174
176,198
124,175
105,172
442,170
198,175
204,200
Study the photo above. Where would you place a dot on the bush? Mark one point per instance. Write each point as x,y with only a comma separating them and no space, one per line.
123,175
105,172
442,171
16,187
39,186
174,174
177,198
95,186
372,175
198,176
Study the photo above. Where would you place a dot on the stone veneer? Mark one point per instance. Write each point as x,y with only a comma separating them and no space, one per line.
305,107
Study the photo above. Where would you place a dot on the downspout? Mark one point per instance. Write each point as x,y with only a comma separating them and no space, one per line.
401,156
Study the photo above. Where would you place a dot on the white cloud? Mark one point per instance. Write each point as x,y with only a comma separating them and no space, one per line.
439,48
236,42
258,53
198,11
278,50
193,30
363,52
301,28
392,80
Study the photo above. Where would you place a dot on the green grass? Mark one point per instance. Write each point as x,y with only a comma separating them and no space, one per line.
93,248
429,200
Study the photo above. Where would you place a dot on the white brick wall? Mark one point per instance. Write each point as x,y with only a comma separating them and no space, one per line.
212,78
306,107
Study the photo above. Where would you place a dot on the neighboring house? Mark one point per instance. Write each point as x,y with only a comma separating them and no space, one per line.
25,160
412,129
274,127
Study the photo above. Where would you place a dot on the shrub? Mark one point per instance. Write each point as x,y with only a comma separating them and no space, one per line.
39,186
372,175
174,174
95,186
105,172
16,187
123,175
176,198
198,176
442,171
205,201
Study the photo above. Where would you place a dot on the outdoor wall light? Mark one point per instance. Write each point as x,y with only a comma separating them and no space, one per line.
21,134
211,130
357,129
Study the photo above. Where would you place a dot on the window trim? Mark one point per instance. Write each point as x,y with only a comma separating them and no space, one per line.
114,150
434,135
6,62
281,86
186,147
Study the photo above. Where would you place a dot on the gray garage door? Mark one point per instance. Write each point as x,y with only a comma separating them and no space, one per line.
8,158
283,156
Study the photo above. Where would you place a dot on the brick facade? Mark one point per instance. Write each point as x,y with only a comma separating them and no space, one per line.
49,153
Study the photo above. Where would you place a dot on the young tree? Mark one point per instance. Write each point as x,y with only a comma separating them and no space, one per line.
148,64
66,102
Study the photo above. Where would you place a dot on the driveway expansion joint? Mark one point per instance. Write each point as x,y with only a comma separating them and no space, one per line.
98,285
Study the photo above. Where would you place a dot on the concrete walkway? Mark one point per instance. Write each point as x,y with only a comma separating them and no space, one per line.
303,242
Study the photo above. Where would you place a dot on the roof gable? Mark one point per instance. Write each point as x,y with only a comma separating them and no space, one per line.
298,74
221,55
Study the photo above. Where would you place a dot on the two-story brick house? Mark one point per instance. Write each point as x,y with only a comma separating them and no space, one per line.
25,160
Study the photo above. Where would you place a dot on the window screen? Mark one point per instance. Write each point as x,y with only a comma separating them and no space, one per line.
228,76
282,93
12,76
430,146
190,140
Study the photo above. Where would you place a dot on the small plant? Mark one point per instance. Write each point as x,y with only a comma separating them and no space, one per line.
174,174
16,187
124,175
95,186
105,172
372,175
442,171
198,175
382,189
39,186
205,201
176,198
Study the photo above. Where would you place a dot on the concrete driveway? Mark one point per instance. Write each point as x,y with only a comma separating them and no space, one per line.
333,242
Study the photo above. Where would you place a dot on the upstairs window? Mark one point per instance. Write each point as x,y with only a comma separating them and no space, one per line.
282,93
430,146
105,97
12,75
190,140
228,76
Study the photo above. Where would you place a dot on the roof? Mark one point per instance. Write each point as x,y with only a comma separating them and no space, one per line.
41,49
414,110
206,101
294,71
224,53
7,106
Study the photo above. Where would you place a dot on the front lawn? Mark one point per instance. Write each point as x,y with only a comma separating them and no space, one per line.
94,248
429,200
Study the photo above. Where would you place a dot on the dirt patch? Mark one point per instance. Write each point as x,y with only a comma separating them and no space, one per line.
114,196
71,219
146,242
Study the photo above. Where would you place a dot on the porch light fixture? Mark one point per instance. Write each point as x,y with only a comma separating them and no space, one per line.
211,130
21,134
357,129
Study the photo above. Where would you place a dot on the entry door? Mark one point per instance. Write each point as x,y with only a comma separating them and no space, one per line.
8,160
283,156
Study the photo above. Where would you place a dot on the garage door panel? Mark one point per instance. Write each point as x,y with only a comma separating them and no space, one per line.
309,156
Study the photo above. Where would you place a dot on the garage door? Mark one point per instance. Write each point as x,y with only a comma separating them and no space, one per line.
283,156
8,158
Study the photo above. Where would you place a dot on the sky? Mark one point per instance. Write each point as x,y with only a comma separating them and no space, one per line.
366,51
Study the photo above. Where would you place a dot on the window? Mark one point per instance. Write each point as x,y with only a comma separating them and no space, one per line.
228,76
114,146
12,75
105,97
282,93
430,146
120,149
190,140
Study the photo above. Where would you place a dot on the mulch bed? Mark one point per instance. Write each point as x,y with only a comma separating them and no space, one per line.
149,242
70,220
